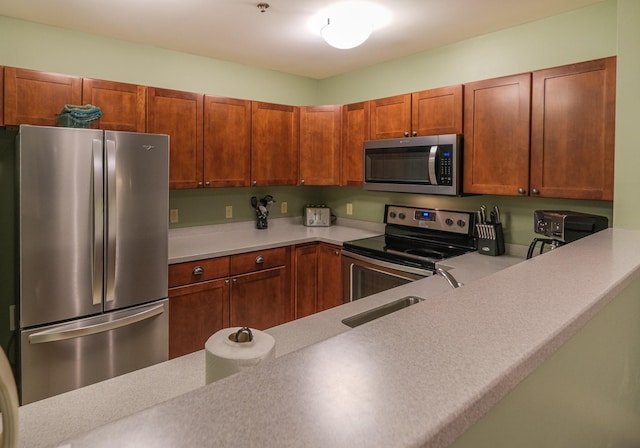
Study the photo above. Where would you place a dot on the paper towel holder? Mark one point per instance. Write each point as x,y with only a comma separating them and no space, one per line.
242,335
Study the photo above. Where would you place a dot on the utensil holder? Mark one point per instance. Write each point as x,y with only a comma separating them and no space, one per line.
490,239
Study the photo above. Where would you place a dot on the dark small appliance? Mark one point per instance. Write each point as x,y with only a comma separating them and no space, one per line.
563,226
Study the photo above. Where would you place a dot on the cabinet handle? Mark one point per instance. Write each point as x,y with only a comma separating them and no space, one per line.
199,184
226,282
301,181
535,191
337,252
235,281
521,191
255,182
207,183
259,259
198,270
406,134
414,134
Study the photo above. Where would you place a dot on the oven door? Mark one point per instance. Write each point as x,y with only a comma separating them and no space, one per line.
363,276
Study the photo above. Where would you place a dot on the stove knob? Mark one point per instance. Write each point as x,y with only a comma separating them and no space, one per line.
448,221
461,222
392,214
402,216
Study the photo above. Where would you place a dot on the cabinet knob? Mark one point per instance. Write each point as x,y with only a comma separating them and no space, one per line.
235,281
535,191
226,282
259,259
337,252
301,181
199,184
198,270
414,134
406,134
521,191
255,182
207,183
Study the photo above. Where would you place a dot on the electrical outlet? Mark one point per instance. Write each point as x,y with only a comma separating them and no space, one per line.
173,216
228,211
283,207
349,208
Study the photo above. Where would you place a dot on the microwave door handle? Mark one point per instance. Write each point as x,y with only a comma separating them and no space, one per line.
433,152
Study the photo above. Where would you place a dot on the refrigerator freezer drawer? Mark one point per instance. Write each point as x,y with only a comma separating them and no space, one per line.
60,358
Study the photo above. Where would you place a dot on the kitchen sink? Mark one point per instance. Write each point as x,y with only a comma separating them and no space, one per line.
375,313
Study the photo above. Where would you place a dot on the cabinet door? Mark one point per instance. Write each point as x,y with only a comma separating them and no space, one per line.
227,142
179,114
437,111
32,97
123,106
355,130
391,117
195,313
306,280
274,144
329,276
572,130
261,299
496,135
320,145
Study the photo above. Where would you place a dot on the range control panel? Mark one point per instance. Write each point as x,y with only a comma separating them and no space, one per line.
428,218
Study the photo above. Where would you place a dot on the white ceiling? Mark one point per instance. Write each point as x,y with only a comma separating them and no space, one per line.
278,39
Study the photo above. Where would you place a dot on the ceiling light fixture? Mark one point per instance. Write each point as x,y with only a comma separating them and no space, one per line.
348,24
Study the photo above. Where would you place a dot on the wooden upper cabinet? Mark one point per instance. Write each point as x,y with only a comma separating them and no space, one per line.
572,130
33,97
355,130
274,144
496,135
390,117
320,145
179,114
227,142
437,111
123,105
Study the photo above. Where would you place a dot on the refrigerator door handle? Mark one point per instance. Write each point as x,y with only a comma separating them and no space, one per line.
112,220
98,221
53,336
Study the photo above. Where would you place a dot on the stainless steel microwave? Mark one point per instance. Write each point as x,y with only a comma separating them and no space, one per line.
428,165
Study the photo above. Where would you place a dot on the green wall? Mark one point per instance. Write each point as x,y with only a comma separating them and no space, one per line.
604,29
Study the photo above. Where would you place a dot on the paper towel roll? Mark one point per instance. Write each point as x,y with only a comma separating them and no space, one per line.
224,356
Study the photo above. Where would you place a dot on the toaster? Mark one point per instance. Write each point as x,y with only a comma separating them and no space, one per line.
316,216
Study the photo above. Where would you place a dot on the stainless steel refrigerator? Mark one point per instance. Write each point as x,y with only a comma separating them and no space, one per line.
91,245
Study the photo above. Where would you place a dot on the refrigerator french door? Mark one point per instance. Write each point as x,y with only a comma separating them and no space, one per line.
93,228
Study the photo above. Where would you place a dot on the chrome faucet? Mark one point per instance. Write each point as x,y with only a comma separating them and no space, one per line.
450,278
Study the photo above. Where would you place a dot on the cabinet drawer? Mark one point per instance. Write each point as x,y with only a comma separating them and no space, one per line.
258,260
198,271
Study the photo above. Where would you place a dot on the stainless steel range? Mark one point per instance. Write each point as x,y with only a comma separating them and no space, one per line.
415,239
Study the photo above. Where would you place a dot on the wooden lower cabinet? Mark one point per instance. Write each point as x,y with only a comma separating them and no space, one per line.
195,313
329,276
261,299
318,278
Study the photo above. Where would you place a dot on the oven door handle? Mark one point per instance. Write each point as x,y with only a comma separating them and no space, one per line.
385,264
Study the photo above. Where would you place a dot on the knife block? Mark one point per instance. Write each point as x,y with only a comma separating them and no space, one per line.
493,245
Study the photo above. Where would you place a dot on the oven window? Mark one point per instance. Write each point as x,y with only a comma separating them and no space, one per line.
366,281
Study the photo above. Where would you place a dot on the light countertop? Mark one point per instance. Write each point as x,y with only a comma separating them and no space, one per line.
418,377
